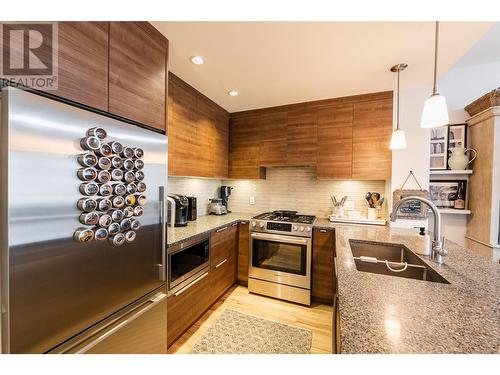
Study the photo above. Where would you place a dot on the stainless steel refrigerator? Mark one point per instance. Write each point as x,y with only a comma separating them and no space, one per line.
67,287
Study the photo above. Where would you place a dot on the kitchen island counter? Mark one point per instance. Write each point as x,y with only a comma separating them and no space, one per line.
388,314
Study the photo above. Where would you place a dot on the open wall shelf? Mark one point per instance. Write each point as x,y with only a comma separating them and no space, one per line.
449,172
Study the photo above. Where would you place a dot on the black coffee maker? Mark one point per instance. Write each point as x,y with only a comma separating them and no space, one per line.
180,205
225,192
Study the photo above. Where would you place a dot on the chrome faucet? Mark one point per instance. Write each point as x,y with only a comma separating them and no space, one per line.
438,250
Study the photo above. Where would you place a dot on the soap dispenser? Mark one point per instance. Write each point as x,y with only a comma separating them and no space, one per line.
423,242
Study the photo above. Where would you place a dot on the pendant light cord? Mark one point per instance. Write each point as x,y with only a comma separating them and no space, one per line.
397,106
434,89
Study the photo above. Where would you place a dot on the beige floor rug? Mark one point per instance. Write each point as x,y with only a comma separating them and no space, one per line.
236,333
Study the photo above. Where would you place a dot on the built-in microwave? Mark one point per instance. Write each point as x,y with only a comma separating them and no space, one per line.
187,261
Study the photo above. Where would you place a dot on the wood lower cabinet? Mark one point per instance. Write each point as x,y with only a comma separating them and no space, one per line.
137,73
186,308
323,271
335,142
243,252
371,136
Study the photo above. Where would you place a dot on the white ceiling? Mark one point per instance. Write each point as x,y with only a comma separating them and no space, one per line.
275,63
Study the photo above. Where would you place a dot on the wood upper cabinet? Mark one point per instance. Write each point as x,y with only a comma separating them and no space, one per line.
182,144
344,138
82,68
83,63
204,138
272,135
244,157
323,272
301,137
335,151
371,136
198,132
221,145
137,73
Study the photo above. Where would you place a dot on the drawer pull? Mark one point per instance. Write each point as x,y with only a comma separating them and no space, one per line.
180,291
235,224
243,222
221,229
322,230
221,263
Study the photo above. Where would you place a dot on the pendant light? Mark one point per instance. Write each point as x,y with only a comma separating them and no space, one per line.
435,112
398,139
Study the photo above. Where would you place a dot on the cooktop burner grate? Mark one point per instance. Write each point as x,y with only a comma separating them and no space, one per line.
286,216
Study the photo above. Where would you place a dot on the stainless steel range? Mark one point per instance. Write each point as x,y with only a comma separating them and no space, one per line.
280,255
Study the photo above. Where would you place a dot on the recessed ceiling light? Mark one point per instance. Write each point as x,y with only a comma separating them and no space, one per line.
198,60
232,93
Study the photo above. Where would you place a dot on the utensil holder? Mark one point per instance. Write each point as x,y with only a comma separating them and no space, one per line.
372,213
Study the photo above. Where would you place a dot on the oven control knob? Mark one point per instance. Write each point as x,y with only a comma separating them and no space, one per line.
254,224
295,228
261,225
301,229
308,229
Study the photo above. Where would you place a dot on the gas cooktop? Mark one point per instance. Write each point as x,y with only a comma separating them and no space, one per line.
286,216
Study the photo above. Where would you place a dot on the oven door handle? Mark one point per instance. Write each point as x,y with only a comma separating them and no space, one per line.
280,238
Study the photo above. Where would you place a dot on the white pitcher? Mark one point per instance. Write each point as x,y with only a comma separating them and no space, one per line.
458,159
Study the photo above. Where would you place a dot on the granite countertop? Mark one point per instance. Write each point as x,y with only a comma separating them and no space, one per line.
386,314
203,224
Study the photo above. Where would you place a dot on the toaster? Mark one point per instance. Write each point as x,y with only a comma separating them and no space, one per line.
216,207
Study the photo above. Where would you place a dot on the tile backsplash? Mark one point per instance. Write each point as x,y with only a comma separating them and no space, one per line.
293,188
198,187
297,188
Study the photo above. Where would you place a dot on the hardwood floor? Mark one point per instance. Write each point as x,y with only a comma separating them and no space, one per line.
317,318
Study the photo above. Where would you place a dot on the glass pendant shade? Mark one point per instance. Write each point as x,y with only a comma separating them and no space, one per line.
435,112
398,140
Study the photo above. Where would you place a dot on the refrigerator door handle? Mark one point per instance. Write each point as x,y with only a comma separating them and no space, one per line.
162,268
127,319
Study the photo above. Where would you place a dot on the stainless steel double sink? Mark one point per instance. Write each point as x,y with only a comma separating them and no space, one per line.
392,260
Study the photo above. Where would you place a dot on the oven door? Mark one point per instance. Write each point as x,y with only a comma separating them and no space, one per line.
281,259
186,264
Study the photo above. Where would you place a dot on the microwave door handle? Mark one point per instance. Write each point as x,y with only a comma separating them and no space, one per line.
163,266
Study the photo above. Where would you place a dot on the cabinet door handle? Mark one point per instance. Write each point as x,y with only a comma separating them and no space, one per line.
179,292
243,222
322,230
234,224
221,229
221,263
